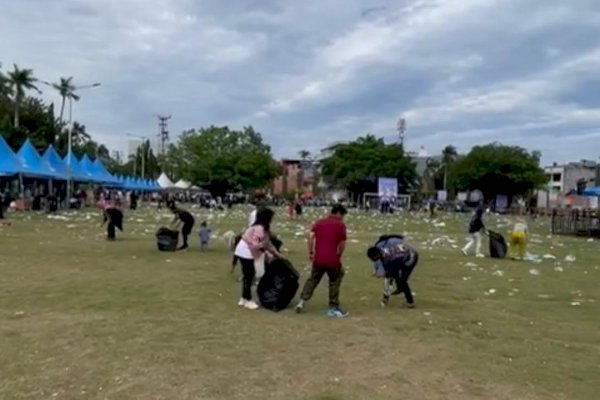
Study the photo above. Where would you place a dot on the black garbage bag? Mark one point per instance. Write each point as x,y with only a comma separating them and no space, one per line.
498,246
166,239
279,285
115,216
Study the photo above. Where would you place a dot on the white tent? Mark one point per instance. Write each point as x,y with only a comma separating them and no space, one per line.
181,184
164,181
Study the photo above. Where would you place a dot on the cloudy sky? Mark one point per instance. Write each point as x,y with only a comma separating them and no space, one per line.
311,72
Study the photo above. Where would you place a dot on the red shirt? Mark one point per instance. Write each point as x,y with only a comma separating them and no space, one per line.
328,233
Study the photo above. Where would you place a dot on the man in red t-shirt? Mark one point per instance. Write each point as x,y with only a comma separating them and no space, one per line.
325,246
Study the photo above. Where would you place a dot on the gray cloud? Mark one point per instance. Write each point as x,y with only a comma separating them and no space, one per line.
310,73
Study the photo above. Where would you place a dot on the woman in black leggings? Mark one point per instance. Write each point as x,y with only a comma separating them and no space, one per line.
252,246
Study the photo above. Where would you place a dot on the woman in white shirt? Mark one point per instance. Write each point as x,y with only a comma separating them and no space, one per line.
252,247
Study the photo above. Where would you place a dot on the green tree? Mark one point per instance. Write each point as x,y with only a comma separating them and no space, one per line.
221,159
5,89
356,165
21,80
498,169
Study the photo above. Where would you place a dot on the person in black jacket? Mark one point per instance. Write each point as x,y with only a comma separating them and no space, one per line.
476,228
185,218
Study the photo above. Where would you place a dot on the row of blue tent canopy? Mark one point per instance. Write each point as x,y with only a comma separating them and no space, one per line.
28,163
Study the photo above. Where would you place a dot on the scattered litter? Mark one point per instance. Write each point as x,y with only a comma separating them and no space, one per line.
543,296
575,303
534,271
558,269
19,313
570,258
549,257
470,264
427,313
498,273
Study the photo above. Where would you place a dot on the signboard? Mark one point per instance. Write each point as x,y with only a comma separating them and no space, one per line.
387,187
593,202
442,195
462,196
501,202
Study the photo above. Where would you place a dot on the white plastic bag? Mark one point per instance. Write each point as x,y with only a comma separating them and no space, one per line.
259,266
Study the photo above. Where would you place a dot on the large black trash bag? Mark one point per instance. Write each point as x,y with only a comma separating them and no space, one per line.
279,285
498,247
166,239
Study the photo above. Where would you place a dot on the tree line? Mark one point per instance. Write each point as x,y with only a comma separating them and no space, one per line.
221,159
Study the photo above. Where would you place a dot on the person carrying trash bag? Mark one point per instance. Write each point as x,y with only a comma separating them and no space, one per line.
394,261
476,228
114,217
184,218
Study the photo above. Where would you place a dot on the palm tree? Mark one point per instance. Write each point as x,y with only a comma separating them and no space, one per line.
21,80
67,91
449,155
5,89
304,155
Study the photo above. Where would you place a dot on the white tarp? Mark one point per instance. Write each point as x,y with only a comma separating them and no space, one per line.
164,181
181,184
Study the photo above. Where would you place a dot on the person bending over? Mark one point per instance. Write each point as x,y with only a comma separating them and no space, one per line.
182,219
253,245
394,261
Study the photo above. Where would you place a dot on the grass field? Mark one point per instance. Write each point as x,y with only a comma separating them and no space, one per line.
81,318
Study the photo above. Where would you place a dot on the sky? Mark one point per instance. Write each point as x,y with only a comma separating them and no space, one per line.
310,73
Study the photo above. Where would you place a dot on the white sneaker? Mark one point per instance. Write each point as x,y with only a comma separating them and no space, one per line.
251,305
242,302
480,255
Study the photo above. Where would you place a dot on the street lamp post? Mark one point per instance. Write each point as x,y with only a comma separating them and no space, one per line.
70,131
145,151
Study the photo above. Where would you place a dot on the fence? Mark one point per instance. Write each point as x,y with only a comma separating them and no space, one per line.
576,222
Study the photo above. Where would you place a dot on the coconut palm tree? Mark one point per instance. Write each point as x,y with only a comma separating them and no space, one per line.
5,89
449,155
67,91
21,80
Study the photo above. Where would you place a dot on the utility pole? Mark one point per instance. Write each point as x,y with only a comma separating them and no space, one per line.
163,133
401,128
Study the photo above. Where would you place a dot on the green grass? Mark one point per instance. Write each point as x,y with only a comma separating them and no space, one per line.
81,318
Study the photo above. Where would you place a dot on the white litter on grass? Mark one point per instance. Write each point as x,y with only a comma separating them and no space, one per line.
590,240
558,269
575,303
549,257
491,291
60,217
534,271
498,273
71,226
427,313
570,258
470,264
466,278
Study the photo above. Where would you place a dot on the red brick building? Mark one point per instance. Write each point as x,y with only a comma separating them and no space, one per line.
297,178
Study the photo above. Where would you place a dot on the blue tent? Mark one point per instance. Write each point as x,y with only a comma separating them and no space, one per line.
77,173
33,165
87,166
54,160
593,191
9,163
99,168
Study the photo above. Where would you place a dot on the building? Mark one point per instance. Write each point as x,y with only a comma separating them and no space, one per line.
565,178
298,177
